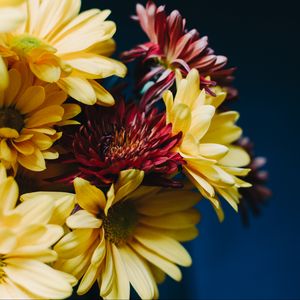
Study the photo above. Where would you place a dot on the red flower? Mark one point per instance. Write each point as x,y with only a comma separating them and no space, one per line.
254,197
119,138
171,46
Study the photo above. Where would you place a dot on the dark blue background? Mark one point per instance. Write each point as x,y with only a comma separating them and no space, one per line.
230,261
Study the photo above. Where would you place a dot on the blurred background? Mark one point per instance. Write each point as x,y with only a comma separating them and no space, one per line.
261,261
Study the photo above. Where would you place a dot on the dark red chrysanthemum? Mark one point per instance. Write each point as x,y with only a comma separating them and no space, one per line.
254,197
171,47
119,138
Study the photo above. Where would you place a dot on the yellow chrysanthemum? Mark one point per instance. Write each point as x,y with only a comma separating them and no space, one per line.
129,237
29,110
62,46
26,238
212,161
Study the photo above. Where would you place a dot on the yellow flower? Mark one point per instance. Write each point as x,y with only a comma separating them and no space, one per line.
26,238
129,237
29,110
212,161
62,46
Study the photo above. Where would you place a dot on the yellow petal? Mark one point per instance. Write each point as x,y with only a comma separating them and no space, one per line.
121,288
138,273
26,147
10,290
42,141
39,237
201,120
108,273
181,235
63,204
49,114
171,269
50,154
88,196
34,162
53,14
11,18
88,279
181,91
200,183
158,274
31,99
4,3
163,246
78,88
181,118
128,181
8,133
168,100
36,211
7,241
103,96
214,151
90,30
179,220
192,90
38,278
83,219
236,157
167,202
3,174
231,196
70,111
222,129
6,153
76,265
8,194
99,66
13,88
75,243
46,72
100,251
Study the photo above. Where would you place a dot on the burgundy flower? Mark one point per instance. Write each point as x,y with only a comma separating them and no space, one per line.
171,46
254,197
119,138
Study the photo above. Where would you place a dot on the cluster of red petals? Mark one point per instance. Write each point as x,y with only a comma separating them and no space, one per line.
120,138
254,197
172,47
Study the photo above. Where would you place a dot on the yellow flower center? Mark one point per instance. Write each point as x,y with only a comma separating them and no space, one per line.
24,43
2,264
11,118
120,222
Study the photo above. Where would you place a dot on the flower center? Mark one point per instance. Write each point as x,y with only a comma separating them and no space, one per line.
24,43
122,145
11,118
2,264
120,222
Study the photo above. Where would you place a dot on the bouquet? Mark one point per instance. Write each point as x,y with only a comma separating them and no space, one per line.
99,182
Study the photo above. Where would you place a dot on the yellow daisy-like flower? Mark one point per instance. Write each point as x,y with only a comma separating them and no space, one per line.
131,236
62,46
26,238
29,110
212,161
